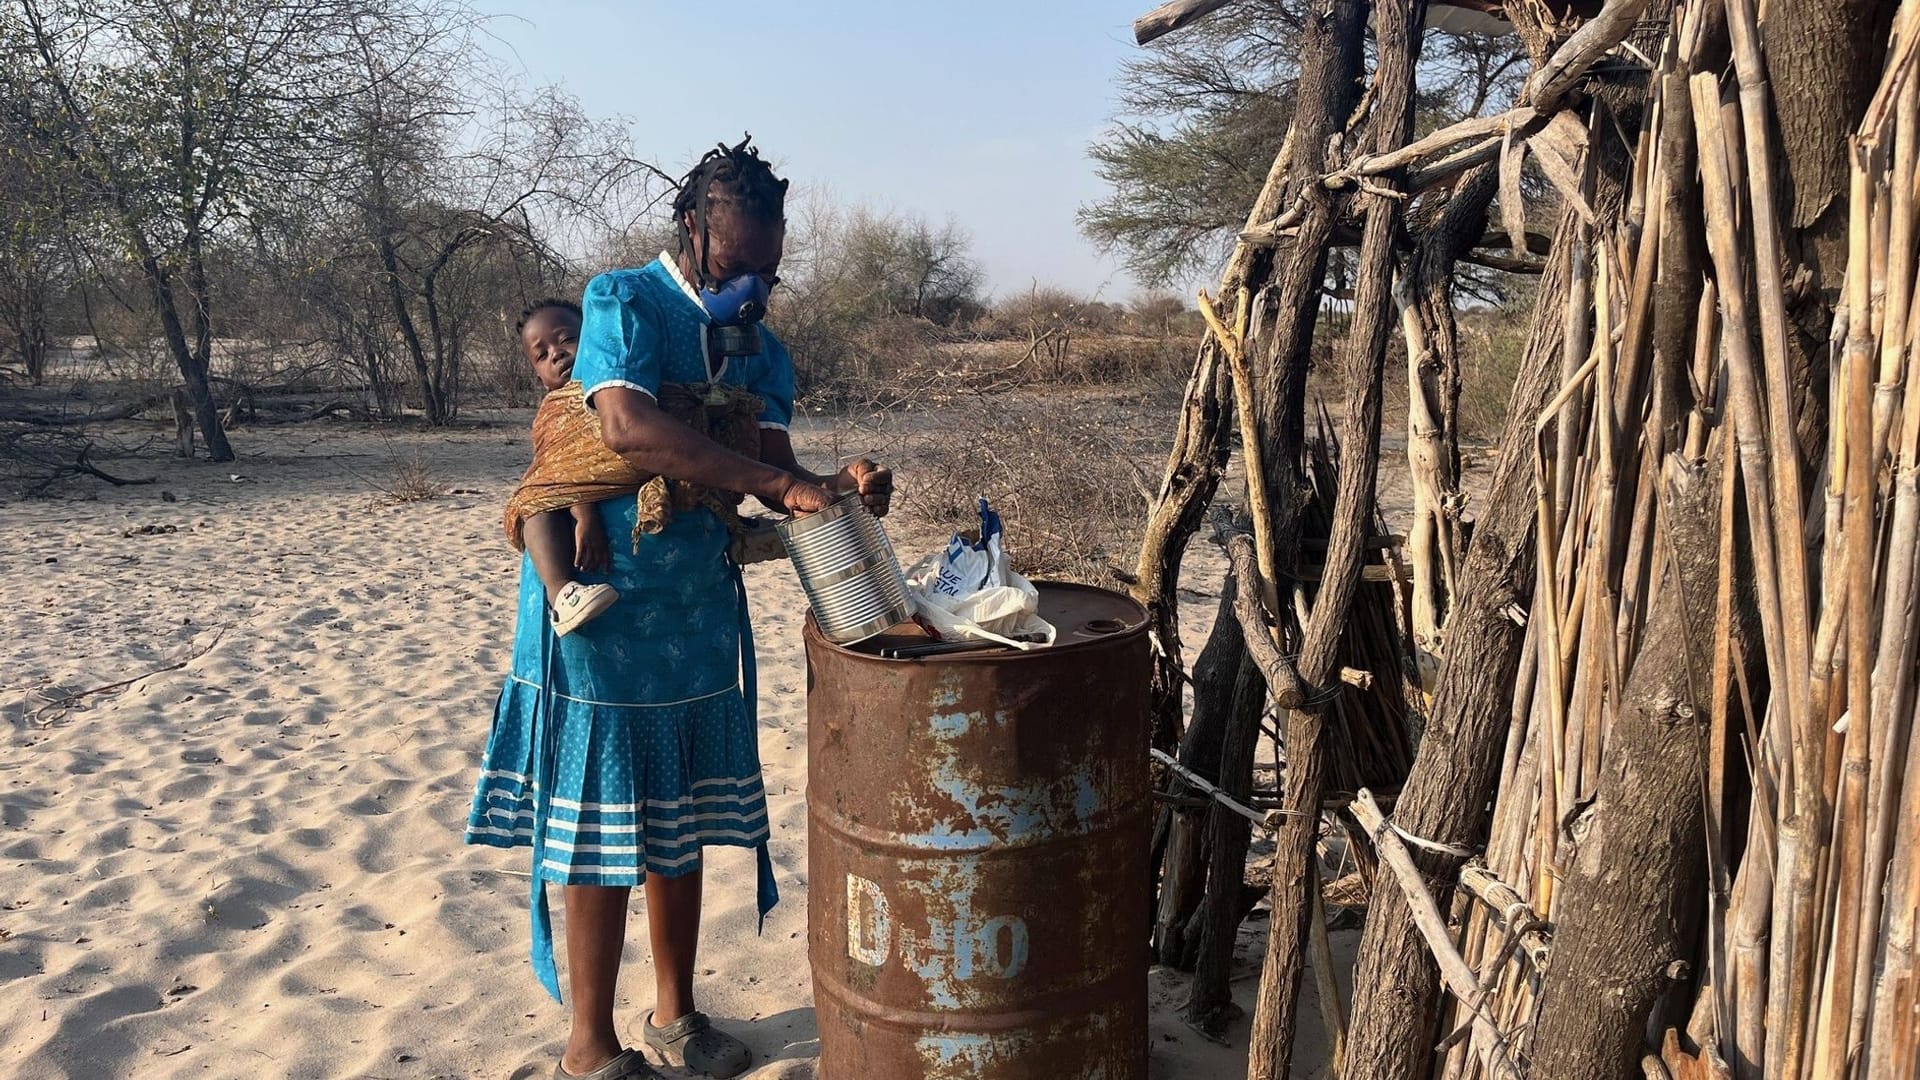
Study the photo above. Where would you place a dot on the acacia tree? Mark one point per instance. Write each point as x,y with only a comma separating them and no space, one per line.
1202,112
178,121
448,186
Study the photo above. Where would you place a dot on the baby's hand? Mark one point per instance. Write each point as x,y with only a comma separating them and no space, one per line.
590,553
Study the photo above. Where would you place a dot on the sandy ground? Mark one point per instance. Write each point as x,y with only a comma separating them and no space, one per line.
239,855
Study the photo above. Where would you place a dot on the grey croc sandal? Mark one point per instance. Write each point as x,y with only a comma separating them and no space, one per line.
694,1043
626,1065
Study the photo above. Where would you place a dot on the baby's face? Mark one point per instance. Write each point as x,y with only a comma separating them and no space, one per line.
549,339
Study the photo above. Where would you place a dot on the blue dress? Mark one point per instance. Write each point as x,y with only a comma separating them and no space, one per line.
626,747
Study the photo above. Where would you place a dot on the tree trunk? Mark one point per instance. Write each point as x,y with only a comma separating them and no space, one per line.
1434,547
199,382
1397,28
1201,445
1215,926
193,369
182,424
1292,277
1217,707
1824,61
1632,890
445,367
402,315
1396,986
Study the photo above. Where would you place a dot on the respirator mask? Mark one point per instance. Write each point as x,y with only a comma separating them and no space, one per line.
736,307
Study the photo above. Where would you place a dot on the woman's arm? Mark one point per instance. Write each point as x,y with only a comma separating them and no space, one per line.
632,425
873,482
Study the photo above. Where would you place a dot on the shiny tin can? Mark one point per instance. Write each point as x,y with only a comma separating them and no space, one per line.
977,853
848,569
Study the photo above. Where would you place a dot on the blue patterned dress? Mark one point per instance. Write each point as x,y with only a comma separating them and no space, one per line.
629,745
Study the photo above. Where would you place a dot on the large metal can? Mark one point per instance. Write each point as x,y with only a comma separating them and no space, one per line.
848,569
977,853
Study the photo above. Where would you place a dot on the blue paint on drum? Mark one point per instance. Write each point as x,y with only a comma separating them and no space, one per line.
979,828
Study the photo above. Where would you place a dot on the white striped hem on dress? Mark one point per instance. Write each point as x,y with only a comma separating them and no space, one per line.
626,704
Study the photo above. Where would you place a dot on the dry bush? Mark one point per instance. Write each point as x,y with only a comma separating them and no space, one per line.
1492,344
40,461
1067,477
1122,360
851,363
406,476
502,378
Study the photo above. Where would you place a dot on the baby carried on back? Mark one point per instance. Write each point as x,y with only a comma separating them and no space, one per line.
573,469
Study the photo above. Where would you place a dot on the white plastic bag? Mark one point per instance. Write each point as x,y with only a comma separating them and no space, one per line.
967,591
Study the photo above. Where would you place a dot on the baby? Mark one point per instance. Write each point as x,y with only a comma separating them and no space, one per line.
562,540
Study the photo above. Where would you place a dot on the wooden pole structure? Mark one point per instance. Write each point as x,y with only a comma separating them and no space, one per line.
1397,26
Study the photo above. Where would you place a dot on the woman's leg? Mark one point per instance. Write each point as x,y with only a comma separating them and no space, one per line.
549,540
596,934
673,925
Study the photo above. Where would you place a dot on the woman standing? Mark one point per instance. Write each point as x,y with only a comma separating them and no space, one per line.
621,751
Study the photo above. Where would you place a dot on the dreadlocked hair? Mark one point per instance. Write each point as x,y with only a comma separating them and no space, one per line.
735,176
544,304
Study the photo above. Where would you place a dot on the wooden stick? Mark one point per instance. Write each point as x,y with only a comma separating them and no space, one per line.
1459,978
1233,343
1744,392
1283,681
1326,986
1510,910
1835,1015
1755,108
1893,689
1472,129
1595,38
1894,1043
1266,820
1172,16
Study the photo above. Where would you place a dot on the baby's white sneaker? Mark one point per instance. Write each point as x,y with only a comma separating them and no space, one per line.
577,603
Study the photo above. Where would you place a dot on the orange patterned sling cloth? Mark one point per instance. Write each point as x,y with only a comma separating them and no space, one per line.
571,464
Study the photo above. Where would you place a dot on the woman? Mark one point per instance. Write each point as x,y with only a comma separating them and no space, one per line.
620,751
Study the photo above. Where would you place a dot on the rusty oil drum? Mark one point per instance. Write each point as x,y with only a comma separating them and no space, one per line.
978,827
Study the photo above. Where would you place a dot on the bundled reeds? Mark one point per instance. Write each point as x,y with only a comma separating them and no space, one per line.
1781,530
1698,859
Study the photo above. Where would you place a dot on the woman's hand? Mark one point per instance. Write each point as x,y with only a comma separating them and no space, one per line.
800,496
873,482
590,552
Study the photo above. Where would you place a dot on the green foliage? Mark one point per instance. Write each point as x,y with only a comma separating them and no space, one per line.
1203,112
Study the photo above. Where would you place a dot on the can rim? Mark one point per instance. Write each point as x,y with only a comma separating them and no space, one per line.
797,525
1137,629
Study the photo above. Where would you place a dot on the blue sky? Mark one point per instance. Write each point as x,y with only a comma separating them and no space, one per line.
981,111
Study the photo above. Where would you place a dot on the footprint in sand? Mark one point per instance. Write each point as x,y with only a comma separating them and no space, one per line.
382,798
191,787
316,616
316,839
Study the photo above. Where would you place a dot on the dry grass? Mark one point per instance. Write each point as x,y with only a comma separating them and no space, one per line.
1491,347
406,476
1070,475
